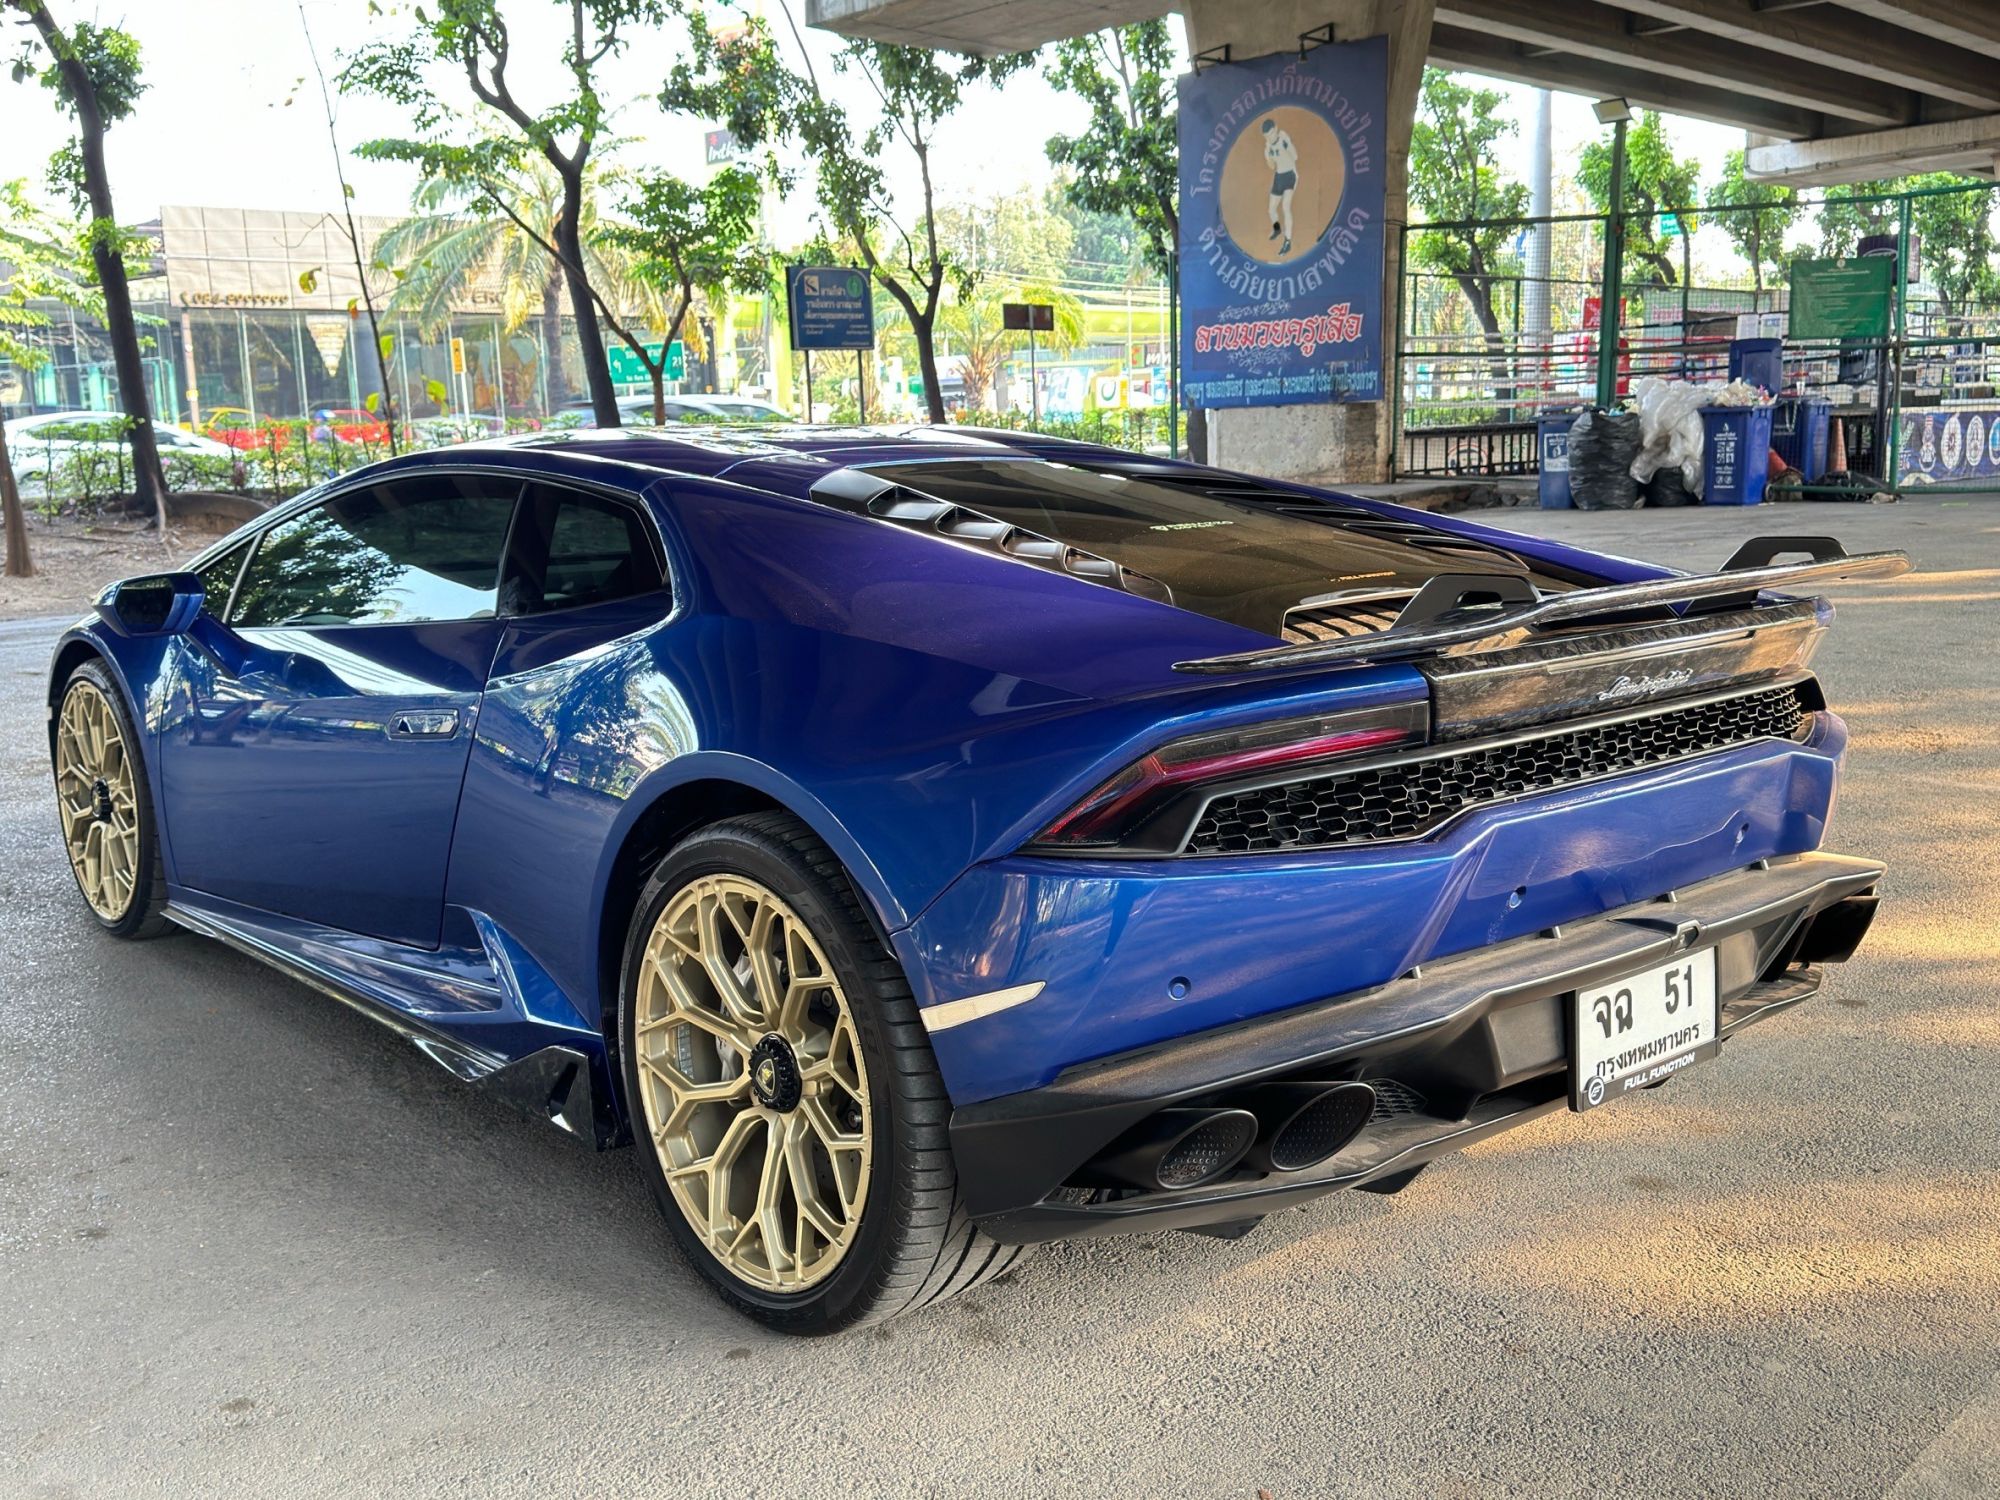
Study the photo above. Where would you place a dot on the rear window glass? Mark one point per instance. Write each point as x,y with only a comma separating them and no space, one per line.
1221,545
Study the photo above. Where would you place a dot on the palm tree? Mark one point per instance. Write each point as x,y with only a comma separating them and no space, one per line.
442,252
973,327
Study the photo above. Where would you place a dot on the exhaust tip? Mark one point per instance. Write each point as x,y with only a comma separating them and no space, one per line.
1305,1123
1207,1150
1180,1147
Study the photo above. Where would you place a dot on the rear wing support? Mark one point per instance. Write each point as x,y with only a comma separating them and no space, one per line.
1448,623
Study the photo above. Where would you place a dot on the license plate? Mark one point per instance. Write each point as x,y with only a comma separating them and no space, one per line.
1633,1032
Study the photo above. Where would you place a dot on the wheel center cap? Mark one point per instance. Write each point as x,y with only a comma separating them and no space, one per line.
774,1074
100,800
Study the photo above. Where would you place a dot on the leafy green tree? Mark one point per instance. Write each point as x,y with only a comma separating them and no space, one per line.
1011,235
459,235
975,327
1455,178
681,238
1126,160
1656,182
43,266
472,38
742,79
1764,212
1853,210
1955,233
1954,230
94,73
1102,246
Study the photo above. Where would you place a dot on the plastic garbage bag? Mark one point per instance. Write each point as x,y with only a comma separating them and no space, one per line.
1602,445
1668,486
1669,436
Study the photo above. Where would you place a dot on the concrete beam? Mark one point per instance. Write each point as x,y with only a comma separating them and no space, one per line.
1971,24
1497,57
1601,35
1847,40
977,26
1965,145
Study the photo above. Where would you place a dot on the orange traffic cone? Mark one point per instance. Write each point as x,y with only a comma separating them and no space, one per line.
1836,450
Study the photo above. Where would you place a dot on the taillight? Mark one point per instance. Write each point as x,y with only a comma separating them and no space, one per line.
1137,808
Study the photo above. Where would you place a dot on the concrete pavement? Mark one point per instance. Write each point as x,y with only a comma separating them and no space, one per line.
252,1246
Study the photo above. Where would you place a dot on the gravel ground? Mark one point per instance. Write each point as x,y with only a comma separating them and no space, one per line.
252,1246
74,559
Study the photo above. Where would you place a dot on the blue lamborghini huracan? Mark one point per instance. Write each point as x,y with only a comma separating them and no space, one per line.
928,843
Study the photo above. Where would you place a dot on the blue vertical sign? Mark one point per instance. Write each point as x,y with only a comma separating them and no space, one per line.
1281,227
831,307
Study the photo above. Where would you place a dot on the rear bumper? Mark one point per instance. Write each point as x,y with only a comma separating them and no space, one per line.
1473,1045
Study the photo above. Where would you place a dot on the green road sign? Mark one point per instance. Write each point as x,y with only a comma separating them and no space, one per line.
1670,226
1846,297
628,369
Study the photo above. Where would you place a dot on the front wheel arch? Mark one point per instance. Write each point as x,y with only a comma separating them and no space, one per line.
70,655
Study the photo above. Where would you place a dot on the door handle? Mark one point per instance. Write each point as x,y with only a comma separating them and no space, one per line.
425,724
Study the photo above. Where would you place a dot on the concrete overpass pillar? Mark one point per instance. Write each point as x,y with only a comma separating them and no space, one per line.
1351,442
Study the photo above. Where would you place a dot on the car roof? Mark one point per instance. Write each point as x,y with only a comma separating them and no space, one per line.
782,458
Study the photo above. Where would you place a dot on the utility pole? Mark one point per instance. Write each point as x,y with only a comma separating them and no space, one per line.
1617,114
1535,295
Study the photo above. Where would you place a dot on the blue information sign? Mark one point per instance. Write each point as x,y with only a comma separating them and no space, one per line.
831,307
1281,227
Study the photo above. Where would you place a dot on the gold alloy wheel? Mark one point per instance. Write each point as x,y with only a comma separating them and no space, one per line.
100,809
752,1083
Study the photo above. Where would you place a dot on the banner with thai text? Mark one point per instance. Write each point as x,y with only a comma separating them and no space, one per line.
1281,230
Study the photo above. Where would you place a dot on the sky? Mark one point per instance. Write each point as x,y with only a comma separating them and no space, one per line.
215,129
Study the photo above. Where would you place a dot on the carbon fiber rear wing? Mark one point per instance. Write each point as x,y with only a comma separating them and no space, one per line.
1439,621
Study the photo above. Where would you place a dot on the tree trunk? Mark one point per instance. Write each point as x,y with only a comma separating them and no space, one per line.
557,383
589,338
19,564
659,374
149,481
924,326
1479,293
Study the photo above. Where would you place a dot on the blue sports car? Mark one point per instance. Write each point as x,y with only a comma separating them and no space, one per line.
924,844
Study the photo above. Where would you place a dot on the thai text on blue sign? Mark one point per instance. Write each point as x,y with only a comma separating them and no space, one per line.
1281,227
831,307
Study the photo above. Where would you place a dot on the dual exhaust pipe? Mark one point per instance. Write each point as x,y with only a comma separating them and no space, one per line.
1268,1127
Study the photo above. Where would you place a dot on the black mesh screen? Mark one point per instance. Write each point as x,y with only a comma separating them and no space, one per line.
1399,801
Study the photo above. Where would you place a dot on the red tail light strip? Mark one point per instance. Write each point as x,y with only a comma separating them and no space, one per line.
1119,805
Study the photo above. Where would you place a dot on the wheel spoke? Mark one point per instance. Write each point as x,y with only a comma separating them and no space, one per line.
686,1091
737,1000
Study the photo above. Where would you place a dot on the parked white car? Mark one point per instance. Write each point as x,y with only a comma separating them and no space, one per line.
61,443
637,411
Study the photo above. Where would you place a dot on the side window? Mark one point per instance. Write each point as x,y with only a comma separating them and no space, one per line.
426,547
572,549
218,579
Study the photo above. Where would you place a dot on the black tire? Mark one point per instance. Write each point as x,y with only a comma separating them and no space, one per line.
914,1244
145,911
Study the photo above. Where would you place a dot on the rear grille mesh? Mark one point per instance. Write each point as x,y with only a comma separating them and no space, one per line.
1412,798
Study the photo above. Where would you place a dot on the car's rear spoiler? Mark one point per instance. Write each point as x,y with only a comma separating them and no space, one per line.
1438,619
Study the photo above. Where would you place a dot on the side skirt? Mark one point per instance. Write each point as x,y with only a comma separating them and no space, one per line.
556,1083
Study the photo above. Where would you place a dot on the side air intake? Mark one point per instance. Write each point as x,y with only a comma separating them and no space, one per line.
864,494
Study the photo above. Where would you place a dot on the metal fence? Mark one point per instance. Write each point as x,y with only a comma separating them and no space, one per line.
1499,325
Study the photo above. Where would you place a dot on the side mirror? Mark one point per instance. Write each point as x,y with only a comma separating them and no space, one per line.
155,604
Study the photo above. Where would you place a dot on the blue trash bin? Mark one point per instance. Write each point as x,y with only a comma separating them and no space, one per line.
1760,362
1552,453
1801,428
1735,454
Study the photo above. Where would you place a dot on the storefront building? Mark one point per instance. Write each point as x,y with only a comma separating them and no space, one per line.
257,315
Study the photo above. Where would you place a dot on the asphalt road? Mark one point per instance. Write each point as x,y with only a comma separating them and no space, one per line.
250,1245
